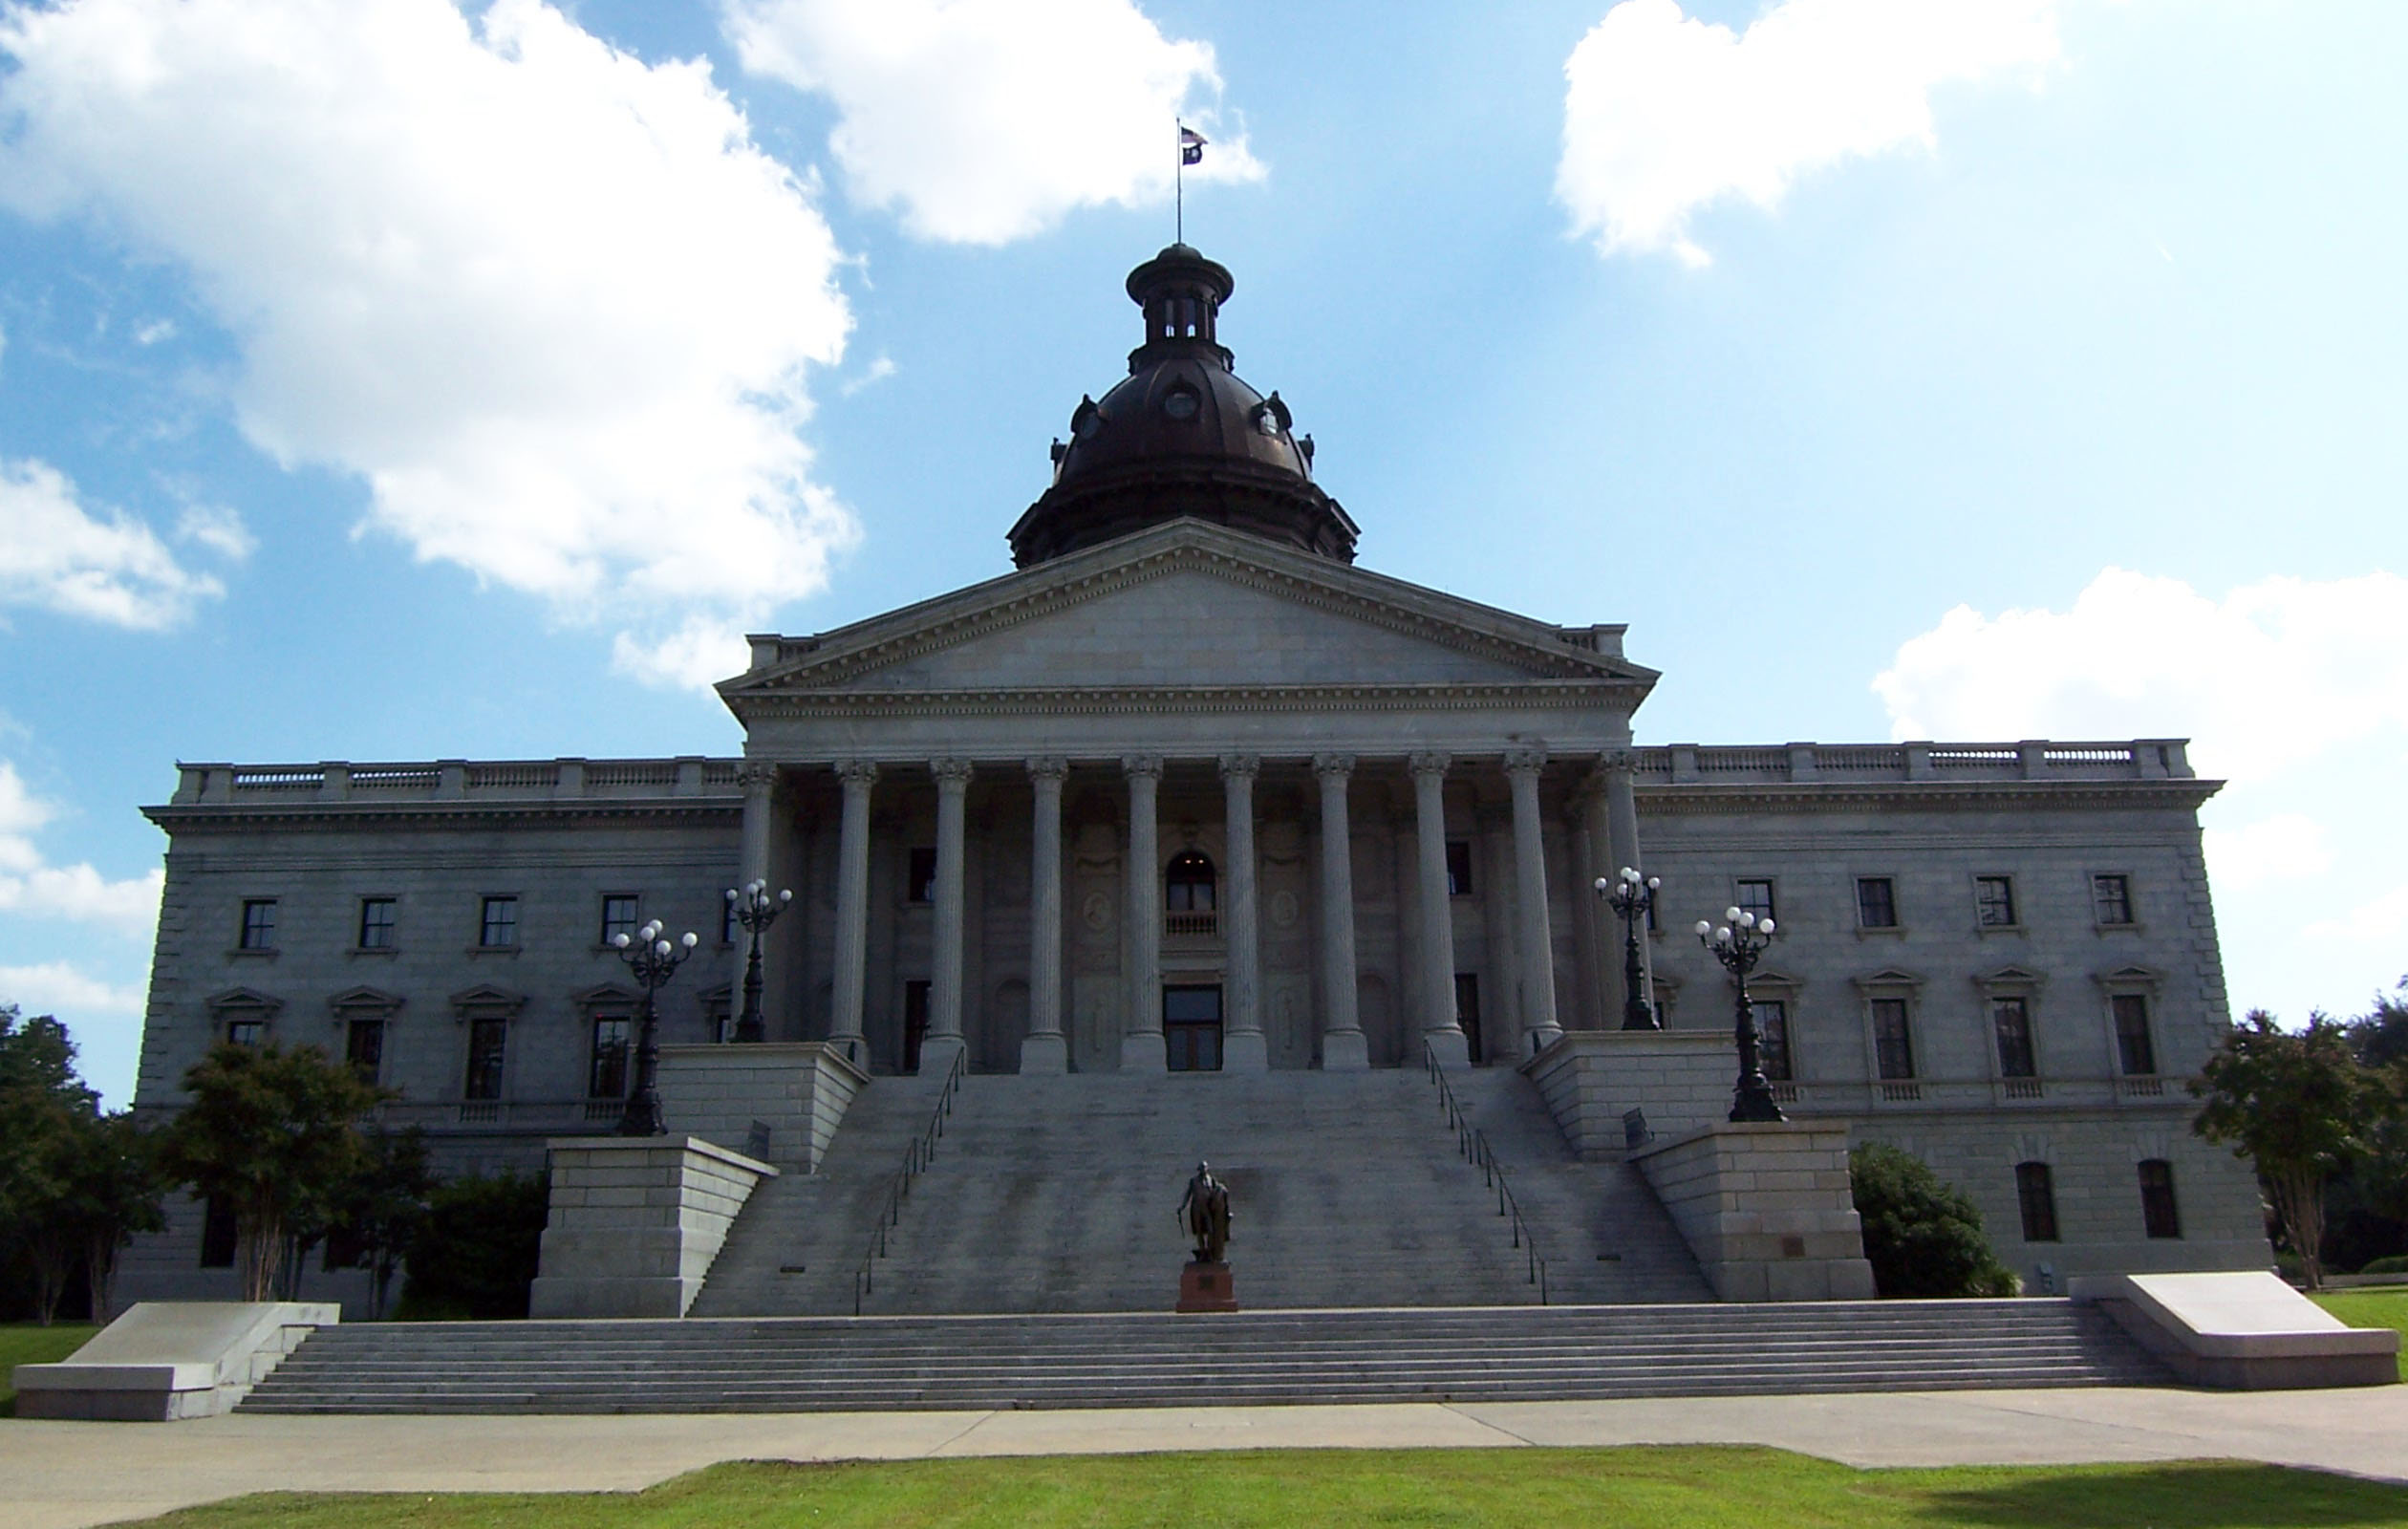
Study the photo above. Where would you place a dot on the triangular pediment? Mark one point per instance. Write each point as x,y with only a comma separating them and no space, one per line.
364,997
245,998
1180,606
487,1000
1890,977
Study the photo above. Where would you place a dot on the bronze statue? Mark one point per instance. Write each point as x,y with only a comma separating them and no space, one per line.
1204,1211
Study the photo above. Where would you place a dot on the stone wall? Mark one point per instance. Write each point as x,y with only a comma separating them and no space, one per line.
1679,1080
800,1090
635,1222
1766,1210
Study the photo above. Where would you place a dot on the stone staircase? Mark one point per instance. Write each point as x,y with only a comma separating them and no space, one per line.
1056,1194
1496,1353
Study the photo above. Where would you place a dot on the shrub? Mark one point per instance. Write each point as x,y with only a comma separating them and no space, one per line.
474,1255
2397,1264
1924,1238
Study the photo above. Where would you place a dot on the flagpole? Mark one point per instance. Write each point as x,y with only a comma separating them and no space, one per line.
1178,179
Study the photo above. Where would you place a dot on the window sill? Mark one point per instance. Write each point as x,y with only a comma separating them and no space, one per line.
1880,931
373,950
493,950
254,953
2119,929
1988,930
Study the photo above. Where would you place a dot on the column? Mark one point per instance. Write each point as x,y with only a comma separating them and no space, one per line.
1600,929
1343,1048
943,1040
758,778
853,909
1044,1051
1534,945
1440,1029
1244,1048
1142,1049
1621,832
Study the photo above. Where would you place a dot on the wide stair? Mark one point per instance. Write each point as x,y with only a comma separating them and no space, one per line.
1057,1194
1508,1353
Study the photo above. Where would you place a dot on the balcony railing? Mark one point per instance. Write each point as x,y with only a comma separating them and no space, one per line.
1190,925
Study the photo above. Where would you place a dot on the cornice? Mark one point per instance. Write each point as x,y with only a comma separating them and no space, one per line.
1848,796
331,815
1117,699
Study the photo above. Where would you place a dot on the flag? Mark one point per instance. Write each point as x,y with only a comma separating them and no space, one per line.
1191,146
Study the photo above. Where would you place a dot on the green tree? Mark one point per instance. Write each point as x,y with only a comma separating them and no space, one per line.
1923,1236
44,1111
276,1134
2298,1105
385,1207
476,1254
112,1190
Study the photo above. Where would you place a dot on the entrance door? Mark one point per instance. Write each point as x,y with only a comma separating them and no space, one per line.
1192,1028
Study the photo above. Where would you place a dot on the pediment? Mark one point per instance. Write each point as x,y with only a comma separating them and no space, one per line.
2130,978
2010,977
1890,976
364,997
606,996
1182,606
245,998
487,1000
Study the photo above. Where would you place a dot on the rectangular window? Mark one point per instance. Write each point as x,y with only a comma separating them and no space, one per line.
731,928
363,1047
488,1039
1877,903
259,923
920,885
2035,1196
618,916
1773,1044
218,1234
2111,900
376,922
1468,1011
1893,1043
497,923
245,1032
1994,901
2157,1213
2011,1017
2133,1048
1458,867
605,1078
1756,897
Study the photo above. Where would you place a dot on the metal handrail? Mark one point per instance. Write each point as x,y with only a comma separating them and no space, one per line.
916,1156
1474,1144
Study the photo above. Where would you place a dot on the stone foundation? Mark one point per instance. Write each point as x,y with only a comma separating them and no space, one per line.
1679,1080
635,1222
1766,1208
800,1090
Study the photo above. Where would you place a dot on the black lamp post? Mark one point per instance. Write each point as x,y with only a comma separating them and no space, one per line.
1632,898
652,961
756,910
1739,946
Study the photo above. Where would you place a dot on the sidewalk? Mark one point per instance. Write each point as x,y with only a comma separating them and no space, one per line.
63,1475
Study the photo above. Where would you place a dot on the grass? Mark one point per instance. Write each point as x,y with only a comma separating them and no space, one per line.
1663,1488
22,1342
2372,1308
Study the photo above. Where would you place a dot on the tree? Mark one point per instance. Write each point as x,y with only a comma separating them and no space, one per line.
1923,1236
113,1191
476,1254
2297,1104
44,1110
275,1132
2380,1038
380,1216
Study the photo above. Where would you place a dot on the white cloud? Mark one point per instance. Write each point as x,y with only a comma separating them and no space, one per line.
157,331
59,556
218,528
2381,920
52,986
28,885
699,653
1663,115
987,120
551,303
877,371
2287,847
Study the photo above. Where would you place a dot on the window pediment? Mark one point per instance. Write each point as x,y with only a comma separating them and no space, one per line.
249,1002
1888,979
364,1002
487,1002
2131,980
2009,981
606,996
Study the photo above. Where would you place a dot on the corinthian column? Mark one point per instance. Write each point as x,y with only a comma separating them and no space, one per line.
1343,1048
852,908
1536,944
1142,1049
1243,1047
943,1040
1044,1051
1441,1029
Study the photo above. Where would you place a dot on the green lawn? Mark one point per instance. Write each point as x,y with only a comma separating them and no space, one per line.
2372,1308
1659,1488
21,1343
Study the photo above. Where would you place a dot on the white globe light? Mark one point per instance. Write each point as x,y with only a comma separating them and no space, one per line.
652,931
1721,935
620,940
661,947
689,940
1631,876
1704,929
1730,915
1747,920
1766,925
785,896
731,895
1654,882
1604,884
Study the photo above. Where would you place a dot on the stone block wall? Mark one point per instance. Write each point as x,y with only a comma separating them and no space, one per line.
799,1090
1679,1079
635,1222
1766,1209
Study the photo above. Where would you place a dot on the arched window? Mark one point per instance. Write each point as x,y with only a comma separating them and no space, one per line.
1188,885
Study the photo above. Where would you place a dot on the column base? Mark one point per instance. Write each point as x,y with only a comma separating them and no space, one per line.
1449,1046
937,1053
1144,1051
855,1049
1044,1055
1543,1037
1245,1051
1346,1051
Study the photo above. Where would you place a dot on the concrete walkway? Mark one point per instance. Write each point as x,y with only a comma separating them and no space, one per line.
58,1475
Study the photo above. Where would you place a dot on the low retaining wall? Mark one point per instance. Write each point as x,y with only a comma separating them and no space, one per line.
166,1360
2248,1332
800,1090
635,1222
1679,1080
1766,1209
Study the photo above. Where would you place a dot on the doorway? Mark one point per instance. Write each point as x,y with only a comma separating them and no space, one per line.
1192,1028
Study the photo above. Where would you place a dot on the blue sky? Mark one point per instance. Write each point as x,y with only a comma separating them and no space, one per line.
384,381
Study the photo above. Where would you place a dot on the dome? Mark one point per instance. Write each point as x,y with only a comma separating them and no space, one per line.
1182,435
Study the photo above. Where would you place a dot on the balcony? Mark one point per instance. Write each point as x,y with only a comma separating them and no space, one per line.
1190,925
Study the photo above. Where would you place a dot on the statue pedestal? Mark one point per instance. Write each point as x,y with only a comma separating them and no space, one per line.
1207,1288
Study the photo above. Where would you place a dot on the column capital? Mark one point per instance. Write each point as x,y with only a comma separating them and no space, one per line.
1338,765
1144,765
755,775
952,774
1049,768
1525,760
1422,765
1617,761
860,773
1241,766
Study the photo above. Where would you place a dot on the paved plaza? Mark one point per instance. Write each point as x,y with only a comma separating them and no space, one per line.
62,1475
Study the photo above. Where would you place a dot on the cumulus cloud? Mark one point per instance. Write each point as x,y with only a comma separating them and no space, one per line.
549,302
987,120
55,986
218,528
29,884
1664,115
699,652
57,555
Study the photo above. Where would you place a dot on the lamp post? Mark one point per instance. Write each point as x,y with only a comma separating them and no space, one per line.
1632,898
652,961
756,910
1739,944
